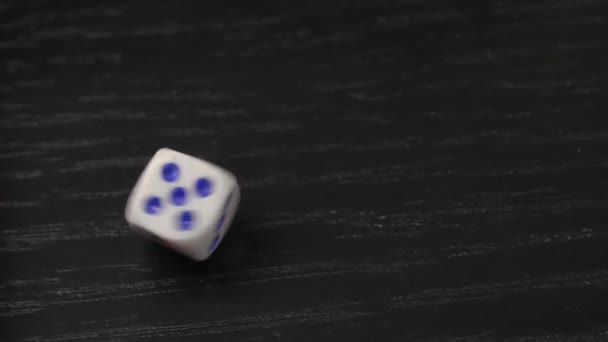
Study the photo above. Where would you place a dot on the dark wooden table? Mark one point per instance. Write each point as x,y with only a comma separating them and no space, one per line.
411,170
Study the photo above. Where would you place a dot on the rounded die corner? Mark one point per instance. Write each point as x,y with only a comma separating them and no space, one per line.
165,153
129,210
164,149
199,256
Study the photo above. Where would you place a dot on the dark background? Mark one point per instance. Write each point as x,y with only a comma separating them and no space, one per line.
411,170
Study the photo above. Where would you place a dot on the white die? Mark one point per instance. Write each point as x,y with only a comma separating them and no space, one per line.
184,203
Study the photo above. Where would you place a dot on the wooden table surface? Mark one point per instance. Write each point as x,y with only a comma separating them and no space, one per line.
411,170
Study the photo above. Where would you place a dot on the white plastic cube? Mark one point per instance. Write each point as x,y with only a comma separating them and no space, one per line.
183,202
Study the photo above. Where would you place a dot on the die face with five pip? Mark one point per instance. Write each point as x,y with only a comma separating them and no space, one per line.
184,203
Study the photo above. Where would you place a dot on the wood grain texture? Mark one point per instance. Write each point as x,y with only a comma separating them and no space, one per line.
411,170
